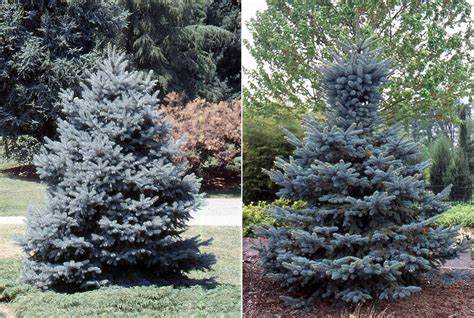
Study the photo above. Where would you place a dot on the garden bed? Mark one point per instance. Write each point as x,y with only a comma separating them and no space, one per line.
261,298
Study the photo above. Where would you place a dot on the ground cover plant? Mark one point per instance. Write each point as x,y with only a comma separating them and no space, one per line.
17,194
118,193
366,231
145,301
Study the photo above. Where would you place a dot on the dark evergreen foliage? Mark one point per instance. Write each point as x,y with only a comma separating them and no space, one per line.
459,175
366,231
170,38
226,14
441,157
45,47
118,193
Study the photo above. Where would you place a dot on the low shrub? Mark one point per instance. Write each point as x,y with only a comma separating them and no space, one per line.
211,131
264,140
255,215
458,214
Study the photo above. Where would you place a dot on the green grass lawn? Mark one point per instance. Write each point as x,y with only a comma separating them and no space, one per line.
168,301
16,195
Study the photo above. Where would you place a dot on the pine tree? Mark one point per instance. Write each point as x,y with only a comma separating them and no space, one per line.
366,229
170,38
226,14
118,194
46,46
458,174
441,156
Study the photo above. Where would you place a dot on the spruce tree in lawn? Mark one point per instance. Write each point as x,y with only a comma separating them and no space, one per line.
366,231
118,193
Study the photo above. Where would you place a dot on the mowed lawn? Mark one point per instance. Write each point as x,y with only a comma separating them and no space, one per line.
17,194
168,301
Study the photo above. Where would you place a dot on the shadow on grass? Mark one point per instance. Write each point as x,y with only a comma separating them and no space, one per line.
232,192
21,172
139,277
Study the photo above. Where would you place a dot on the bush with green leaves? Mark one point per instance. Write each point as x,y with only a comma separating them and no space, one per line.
255,215
263,140
458,214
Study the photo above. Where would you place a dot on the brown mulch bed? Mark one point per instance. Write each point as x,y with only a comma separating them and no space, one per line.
261,298
22,171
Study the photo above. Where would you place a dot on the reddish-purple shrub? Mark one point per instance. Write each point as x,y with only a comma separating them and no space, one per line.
211,130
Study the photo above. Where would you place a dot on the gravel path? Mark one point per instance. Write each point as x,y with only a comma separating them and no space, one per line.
214,212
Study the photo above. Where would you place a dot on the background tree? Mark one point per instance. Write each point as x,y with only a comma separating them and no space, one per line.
171,38
118,194
226,14
441,158
366,231
46,46
427,40
458,175
263,140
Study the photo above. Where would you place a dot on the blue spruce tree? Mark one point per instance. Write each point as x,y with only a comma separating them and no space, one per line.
366,230
118,193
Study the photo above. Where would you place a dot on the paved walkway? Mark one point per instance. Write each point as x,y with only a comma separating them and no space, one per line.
218,212
214,212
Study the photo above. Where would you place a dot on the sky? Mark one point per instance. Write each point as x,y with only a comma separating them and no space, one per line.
249,11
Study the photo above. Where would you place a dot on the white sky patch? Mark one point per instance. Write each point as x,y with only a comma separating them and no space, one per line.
249,11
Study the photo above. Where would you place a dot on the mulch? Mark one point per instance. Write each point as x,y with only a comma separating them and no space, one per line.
261,298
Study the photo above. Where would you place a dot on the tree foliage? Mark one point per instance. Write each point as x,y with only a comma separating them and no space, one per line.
366,231
170,37
427,40
226,14
211,131
441,157
263,140
46,46
118,195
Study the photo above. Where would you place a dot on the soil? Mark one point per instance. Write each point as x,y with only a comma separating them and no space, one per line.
261,298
